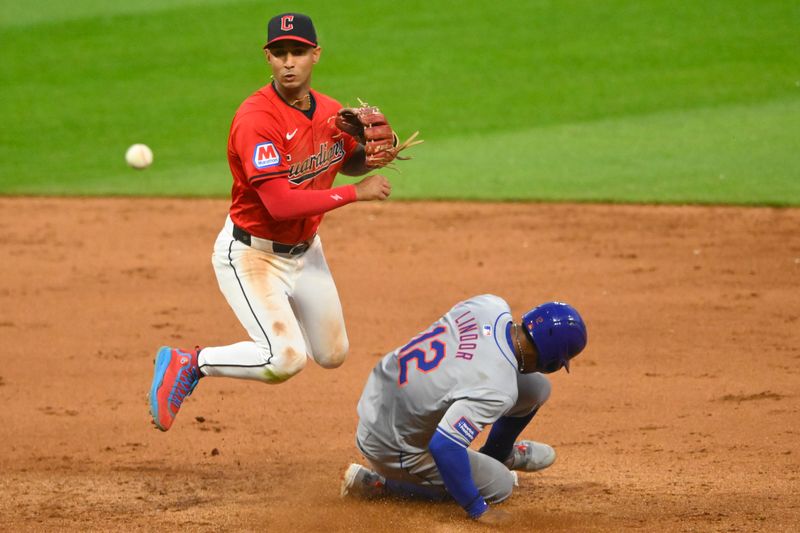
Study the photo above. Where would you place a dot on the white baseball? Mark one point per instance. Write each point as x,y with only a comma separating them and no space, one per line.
139,156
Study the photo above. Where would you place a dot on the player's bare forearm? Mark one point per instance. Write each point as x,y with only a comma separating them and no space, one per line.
357,164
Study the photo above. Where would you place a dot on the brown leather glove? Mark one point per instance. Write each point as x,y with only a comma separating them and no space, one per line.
367,125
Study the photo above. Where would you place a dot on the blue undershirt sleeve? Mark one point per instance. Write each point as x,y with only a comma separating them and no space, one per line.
453,464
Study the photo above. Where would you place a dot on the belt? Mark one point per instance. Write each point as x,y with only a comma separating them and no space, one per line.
266,245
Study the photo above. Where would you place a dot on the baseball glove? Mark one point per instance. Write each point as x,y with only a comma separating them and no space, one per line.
367,125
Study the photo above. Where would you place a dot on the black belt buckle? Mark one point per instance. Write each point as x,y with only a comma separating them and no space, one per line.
278,247
300,248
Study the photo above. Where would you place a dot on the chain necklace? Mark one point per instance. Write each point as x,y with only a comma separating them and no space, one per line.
301,102
519,348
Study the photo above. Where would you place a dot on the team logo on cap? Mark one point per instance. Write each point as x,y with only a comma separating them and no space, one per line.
286,22
266,155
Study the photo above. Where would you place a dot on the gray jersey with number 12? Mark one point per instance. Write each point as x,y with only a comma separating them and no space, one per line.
455,377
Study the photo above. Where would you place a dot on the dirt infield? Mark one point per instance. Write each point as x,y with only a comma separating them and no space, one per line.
683,413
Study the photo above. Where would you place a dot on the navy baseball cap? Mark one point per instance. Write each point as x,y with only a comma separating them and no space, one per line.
291,26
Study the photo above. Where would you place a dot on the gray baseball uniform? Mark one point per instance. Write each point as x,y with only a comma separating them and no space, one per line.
456,377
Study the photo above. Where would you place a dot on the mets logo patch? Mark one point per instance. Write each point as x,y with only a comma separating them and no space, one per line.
466,428
487,330
266,155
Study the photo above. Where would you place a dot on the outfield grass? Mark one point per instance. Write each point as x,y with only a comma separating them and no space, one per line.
656,101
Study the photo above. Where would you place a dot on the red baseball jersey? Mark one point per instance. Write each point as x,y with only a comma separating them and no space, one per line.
269,139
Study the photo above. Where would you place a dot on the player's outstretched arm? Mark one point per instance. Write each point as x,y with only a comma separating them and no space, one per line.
285,203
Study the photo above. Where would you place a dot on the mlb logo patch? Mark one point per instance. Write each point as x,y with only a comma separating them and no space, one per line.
466,428
487,330
266,155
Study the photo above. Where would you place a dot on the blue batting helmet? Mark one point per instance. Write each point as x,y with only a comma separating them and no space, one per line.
558,332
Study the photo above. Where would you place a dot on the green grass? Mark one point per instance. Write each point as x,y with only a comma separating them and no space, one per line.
733,153
617,100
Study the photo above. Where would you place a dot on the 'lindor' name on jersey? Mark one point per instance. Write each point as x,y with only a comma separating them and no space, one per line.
467,335
316,163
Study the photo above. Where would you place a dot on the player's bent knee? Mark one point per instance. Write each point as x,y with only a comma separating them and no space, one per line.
332,362
542,389
283,368
335,357
533,391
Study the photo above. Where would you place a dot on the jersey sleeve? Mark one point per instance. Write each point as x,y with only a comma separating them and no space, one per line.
466,418
285,203
258,140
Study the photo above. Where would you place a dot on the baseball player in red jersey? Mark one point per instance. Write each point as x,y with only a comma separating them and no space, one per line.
284,151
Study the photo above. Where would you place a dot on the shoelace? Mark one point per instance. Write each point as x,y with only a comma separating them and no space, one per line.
184,385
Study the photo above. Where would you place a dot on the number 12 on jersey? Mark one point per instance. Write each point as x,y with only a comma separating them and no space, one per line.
417,350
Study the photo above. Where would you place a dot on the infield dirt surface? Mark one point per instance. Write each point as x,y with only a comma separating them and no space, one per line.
682,414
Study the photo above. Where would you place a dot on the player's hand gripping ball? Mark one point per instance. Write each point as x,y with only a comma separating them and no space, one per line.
367,125
139,156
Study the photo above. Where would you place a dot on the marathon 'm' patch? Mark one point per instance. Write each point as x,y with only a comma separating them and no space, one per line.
466,428
266,155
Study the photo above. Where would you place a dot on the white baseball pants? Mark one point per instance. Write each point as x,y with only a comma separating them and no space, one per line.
288,305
